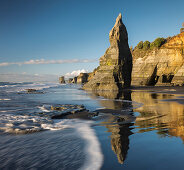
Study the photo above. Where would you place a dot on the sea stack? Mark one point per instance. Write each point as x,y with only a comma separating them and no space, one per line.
62,80
114,72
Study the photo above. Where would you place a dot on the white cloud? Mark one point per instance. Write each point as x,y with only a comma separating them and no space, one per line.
75,73
4,64
43,61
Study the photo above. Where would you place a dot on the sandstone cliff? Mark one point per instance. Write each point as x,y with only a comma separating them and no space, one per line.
115,67
160,66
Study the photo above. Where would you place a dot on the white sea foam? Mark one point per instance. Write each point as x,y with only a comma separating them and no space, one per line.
28,124
9,86
94,156
23,87
10,123
38,86
43,108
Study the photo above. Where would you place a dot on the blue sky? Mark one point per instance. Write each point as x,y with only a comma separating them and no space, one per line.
74,33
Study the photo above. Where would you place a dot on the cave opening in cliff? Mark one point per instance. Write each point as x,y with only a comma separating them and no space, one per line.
154,78
167,78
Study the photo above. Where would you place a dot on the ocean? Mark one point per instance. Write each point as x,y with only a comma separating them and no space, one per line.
135,129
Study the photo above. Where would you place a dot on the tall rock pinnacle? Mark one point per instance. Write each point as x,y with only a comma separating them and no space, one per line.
115,67
114,35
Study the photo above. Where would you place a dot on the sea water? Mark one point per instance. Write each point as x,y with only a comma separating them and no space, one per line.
137,129
45,143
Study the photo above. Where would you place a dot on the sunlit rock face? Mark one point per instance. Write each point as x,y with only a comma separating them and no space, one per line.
115,67
163,66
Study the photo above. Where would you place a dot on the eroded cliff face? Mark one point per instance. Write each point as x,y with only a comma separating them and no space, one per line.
115,67
163,66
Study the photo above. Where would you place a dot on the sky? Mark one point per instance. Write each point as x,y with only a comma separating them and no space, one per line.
60,37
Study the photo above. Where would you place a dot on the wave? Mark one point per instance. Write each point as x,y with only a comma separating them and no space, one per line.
9,86
43,108
94,156
13,84
19,124
20,87
39,86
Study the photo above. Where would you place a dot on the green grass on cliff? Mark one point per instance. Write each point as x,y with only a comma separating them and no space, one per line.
146,45
157,43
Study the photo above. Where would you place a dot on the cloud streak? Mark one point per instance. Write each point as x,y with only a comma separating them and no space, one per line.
43,61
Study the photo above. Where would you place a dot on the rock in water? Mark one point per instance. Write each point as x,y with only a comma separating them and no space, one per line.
62,80
115,67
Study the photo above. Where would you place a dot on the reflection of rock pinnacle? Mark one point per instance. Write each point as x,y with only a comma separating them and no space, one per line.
120,140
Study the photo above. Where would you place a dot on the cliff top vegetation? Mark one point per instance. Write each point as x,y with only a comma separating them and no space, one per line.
146,45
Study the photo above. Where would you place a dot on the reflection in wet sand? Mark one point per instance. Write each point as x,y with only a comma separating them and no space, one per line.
120,116
120,140
161,112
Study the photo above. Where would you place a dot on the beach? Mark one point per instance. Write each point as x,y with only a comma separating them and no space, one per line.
138,128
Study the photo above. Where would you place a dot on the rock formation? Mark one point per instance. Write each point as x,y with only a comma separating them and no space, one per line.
74,80
82,78
160,66
62,80
115,67
70,80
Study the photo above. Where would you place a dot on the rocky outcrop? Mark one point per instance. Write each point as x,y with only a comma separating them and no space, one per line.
62,80
74,80
70,80
115,67
160,66
82,78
